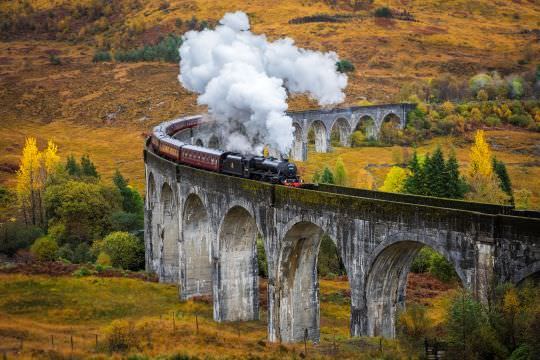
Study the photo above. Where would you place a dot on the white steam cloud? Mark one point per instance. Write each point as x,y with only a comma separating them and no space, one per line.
243,79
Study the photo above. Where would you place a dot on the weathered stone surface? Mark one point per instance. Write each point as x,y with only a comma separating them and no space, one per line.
200,231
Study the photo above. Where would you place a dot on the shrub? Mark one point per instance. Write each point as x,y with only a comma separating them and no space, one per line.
422,260
82,254
344,66
45,249
428,260
83,271
166,50
15,236
101,56
383,12
441,268
65,252
6,196
103,259
121,336
54,60
357,138
124,249
492,120
524,120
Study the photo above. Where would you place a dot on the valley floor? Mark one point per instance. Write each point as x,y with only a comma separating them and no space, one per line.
45,315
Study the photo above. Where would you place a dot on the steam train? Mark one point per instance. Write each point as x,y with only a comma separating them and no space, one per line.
254,167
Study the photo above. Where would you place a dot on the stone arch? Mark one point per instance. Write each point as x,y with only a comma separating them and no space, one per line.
238,280
389,127
196,245
169,235
342,129
386,281
321,136
199,142
366,124
213,142
297,151
532,270
297,282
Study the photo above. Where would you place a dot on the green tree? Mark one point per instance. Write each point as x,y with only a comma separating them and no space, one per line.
499,167
340,177
434,172
15,236
415,182
124,249
72,166
82,210
45,249
327,177
455,185
88,169
131,199
344,66
469,332
329,262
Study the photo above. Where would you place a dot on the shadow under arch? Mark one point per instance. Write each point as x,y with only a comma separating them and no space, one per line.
340,131
196,268
298,283
237,274
199,142
169,235
386,282
320,135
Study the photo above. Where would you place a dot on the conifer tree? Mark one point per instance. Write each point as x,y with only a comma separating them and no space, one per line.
72,166
88,168
340,173
327,177
415,181
434,172
455,186
499,167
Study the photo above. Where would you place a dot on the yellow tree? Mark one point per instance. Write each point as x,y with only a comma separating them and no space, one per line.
481,162
340,173
28,180
395,180
32,176
484,186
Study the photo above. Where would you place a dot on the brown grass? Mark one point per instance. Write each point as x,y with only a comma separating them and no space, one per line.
34,308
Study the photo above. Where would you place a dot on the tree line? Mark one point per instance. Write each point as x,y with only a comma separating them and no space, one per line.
69,213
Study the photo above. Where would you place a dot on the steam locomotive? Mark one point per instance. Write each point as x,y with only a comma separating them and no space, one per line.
254,167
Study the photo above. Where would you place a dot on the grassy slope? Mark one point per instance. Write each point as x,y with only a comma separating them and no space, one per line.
37,307
368,166
103,108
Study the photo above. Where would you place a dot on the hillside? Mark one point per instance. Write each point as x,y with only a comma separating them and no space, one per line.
103,108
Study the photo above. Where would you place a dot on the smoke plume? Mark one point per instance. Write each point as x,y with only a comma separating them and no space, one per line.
243,79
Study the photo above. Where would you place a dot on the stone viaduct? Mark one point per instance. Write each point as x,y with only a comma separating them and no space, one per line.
201,229
323,122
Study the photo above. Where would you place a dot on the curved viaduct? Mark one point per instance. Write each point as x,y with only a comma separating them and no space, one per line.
342,120
201,229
